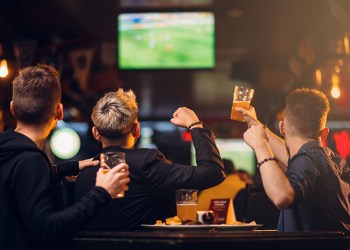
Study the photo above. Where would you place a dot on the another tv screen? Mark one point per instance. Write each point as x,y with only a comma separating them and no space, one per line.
236,150
176,40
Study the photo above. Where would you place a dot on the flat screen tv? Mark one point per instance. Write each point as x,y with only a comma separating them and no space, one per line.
236,150
166,40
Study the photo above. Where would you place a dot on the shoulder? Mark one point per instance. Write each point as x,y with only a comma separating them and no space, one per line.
301,161
32,159
144,154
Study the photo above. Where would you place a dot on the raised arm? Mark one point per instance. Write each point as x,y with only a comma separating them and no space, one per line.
277,144
186,118
275,181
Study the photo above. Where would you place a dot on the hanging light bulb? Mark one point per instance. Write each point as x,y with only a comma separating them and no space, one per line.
337,68
4,71
335,91
341,62
346,43
318,75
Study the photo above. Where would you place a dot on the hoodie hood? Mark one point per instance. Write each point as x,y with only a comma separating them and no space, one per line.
12,143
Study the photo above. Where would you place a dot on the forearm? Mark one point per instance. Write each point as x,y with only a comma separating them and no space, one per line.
275,182
36,204
50,225
68,168
169,176
278,147
207,154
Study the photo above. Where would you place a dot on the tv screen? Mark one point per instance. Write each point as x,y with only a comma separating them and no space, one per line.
176,40
236,150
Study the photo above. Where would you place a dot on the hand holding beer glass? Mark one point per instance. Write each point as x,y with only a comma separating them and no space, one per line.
109,160
242,97
186,204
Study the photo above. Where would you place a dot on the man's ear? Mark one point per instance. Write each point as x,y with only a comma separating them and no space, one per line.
59,111
96,134
135,131
282,128
324,133
12,109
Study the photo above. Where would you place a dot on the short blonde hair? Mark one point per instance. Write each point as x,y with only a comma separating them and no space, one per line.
114,114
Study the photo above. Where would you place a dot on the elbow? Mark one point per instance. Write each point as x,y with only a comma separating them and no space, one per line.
221,176
283,201
217,177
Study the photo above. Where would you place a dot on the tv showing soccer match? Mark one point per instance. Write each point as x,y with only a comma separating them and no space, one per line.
164,40
236,150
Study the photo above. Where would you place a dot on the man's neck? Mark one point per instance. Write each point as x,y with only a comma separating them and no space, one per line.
127,142
296,143
37,133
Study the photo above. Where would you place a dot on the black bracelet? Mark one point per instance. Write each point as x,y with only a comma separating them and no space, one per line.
265,160
195,123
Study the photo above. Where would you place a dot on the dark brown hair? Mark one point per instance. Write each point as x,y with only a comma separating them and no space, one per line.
307,110
36,93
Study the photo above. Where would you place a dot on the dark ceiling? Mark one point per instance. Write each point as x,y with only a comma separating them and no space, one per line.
256,35
269,26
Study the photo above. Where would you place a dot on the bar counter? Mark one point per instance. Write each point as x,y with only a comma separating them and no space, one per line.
193,240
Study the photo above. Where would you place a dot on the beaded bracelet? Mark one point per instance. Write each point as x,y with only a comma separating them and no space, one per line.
195,123
265,160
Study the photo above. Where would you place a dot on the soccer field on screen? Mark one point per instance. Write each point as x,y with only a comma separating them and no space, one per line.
145,45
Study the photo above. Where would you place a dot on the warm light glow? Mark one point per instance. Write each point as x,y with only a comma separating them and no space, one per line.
335,80
4,71
341,62
335,92
346,43
318,75
337,69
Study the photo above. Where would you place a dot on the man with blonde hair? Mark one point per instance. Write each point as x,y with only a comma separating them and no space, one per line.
31,212
151,194
308,182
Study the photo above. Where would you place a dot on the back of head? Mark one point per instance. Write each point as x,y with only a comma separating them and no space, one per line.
36,93
115,113
229,166
306,110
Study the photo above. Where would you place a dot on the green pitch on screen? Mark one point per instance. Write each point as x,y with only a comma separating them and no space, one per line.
170,46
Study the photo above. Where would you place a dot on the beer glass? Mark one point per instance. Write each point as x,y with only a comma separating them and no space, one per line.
242,97
109,160
186,204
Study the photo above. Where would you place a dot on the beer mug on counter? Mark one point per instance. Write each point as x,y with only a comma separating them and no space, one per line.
186,204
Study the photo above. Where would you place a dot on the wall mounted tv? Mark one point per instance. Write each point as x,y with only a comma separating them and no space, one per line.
166,40
236,150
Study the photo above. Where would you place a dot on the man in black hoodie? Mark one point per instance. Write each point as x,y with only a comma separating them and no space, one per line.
31,215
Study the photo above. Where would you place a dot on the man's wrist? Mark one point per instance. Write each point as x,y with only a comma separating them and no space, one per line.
197,124
271,158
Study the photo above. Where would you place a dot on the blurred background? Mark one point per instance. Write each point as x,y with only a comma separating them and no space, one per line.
273,46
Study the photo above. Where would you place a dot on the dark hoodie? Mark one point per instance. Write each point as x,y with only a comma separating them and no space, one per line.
31,215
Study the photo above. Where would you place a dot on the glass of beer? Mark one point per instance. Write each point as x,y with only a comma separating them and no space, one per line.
109,160
186,204
242,97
